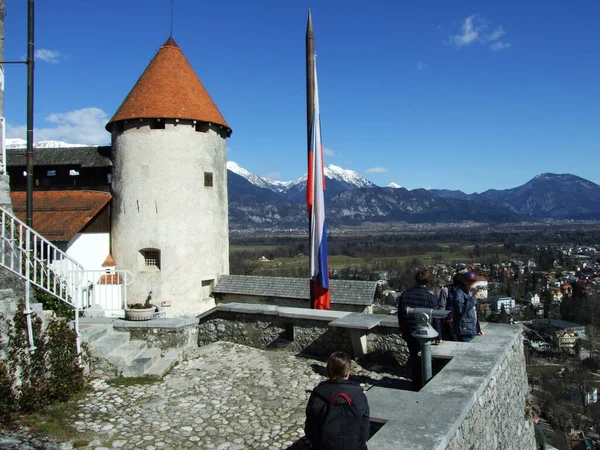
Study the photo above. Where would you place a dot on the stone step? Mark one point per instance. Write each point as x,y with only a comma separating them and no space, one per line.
91,333
107,343
161,367
37,308
126,352
143,361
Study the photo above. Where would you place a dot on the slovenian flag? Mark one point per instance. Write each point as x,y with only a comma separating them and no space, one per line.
319,268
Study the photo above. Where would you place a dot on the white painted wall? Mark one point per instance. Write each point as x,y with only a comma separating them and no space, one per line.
160,201
89,249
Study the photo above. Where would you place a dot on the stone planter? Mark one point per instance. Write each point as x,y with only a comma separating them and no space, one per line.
139,314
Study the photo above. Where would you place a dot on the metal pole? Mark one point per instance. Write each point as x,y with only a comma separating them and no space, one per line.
30,67
310,106
310,78
426,372
28,310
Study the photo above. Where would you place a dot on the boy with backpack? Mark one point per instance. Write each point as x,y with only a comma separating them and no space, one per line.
337,414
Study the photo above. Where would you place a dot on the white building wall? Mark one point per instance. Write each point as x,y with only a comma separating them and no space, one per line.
160,202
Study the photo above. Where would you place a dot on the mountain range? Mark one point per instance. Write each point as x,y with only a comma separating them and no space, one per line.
352,200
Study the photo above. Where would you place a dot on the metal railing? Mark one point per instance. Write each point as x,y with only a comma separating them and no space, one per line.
40,263
104,290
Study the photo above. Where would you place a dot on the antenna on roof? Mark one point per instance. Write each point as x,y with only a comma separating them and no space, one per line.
172,7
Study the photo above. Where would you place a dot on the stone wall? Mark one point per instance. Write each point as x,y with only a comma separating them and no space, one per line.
172,334
386,341
500,417
271,332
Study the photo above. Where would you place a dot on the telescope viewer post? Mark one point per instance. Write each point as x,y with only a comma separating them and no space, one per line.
425,334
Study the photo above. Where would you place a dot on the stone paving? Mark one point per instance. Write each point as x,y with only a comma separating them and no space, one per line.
231,397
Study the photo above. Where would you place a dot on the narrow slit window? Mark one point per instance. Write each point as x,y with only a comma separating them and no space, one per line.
208,179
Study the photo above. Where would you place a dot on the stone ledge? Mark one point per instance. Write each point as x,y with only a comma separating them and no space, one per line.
173,323
357,321
440,408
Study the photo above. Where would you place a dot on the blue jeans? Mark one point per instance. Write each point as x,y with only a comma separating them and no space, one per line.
465,338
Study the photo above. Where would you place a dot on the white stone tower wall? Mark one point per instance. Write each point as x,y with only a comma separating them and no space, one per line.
160,201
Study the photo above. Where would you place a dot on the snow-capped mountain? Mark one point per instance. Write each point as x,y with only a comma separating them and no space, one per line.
394,185
349,178
252,178
14,143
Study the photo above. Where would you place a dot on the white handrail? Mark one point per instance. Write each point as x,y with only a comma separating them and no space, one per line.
40,263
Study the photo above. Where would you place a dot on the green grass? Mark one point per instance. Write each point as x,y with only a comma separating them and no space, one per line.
131,381
55,421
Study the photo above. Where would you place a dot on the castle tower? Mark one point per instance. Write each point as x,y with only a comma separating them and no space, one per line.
169,184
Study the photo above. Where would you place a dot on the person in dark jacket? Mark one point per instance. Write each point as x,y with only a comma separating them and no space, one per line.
446,299
338,371
416,297
466,319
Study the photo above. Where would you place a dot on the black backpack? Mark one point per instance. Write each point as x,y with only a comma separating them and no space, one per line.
341,428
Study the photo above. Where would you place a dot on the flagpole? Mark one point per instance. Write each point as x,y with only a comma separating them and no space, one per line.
310,106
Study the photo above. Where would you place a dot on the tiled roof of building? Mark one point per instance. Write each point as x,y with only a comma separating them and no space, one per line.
60,215
109,262
170,89
64,156
342,291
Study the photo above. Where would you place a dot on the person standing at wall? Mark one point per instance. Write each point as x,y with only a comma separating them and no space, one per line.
417,296
465,317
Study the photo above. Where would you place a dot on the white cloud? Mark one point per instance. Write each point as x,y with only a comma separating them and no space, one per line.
497,34
474,31
82,126
420,65
377,170
46,55
497,46
328,152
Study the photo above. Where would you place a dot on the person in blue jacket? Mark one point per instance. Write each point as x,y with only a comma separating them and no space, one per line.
466,319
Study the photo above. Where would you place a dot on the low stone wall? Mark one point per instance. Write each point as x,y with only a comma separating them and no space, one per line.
476,402
166,334
500,414
265,331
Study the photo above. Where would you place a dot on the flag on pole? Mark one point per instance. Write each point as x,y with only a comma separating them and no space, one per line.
319,267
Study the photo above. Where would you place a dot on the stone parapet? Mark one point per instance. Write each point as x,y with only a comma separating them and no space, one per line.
477,400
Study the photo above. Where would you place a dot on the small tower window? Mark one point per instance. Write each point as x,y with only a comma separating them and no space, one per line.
157,124
151,258
208,179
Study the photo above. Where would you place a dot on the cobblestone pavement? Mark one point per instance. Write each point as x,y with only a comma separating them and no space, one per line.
230,397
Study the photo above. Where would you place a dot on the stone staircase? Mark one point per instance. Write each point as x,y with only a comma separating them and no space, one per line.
115,354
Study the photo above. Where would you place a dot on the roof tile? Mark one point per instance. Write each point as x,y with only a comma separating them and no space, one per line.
169,88
348,292
60,215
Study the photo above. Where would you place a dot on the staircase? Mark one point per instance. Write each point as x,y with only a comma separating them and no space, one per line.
115,354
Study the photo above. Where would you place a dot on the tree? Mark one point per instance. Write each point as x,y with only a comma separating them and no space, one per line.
593,337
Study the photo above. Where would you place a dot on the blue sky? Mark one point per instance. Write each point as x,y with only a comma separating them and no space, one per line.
463,95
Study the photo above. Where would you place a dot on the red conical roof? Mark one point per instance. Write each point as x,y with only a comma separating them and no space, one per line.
169,89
